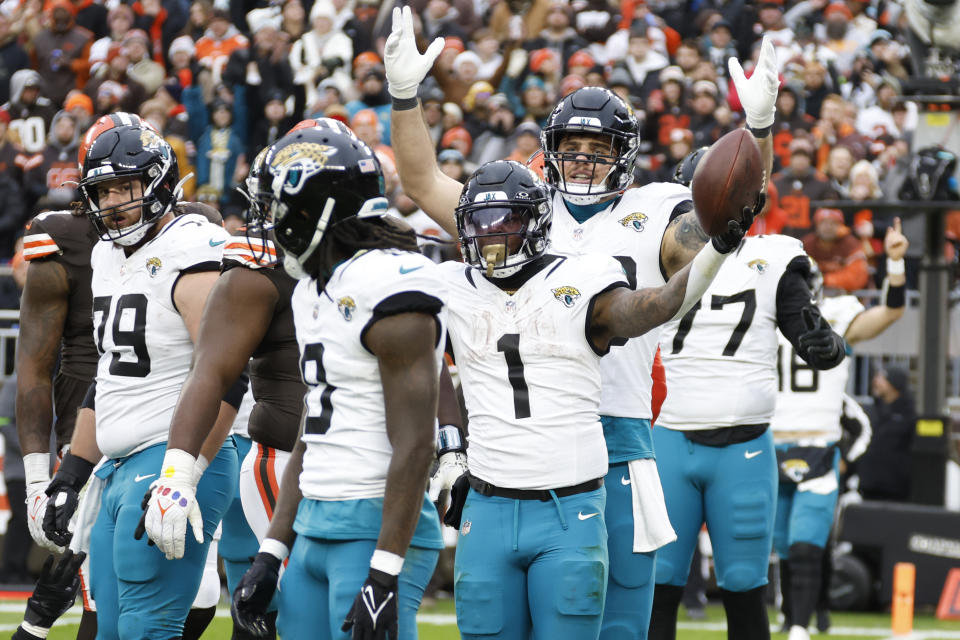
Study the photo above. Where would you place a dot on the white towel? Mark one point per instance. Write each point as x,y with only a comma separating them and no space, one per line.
87,510
651,525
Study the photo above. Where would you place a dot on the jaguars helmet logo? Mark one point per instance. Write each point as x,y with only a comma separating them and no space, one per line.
149,139
153,267
347,307
295,163
636,221
567,295
795,468
759,264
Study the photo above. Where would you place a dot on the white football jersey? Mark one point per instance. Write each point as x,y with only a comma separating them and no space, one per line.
808,400
721,357
348,451
631,231
530,376
144,345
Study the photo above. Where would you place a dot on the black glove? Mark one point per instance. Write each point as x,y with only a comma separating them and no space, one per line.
819,341
374,611
64,492
736,229
142,525
254,593
56,590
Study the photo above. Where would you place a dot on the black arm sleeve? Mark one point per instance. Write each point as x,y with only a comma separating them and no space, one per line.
793,294
236,391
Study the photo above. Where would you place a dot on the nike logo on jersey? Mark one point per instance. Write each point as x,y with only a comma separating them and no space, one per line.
140,477
751,454
624,480
586,517
404,271
216,244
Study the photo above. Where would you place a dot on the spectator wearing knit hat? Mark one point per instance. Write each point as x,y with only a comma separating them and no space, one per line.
181,59
80,106
373,95
131,94
143,68
92,16
839,36
704,123
321,52
61,51
799,183
667,108
12,56
837,252
220,152
791,120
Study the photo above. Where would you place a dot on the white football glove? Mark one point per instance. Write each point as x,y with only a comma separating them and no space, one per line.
37,470
452,466
173,505
758,95
405,66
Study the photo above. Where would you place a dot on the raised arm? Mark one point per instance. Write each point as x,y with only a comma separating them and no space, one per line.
684,237
433,191
620,313
875,320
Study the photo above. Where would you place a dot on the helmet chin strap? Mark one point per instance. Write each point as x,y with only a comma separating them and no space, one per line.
294,264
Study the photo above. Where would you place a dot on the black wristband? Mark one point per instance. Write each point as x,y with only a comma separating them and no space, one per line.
74,471
760,133
404,104
896,297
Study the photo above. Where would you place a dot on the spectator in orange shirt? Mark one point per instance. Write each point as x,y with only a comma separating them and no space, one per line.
218,42
838,254
798,184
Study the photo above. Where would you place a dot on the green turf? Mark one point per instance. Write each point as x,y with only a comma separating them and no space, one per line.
860,625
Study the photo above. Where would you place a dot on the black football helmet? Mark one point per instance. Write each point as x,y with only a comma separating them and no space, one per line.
500,201
130,151
314,179
592,110
683,174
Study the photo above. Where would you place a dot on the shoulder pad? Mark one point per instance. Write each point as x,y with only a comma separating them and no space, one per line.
54,231
251,252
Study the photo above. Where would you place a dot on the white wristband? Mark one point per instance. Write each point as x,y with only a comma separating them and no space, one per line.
703,268
387,562
275,548
34,630
896,267
36,468
177,464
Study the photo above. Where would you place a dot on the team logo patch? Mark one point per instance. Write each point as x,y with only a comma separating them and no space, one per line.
578,234
759,264
346,306
795,469
635,220
510,306
153,266
465,527
567,295
296,162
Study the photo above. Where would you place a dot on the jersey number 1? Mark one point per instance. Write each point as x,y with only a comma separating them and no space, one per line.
136,337
509,345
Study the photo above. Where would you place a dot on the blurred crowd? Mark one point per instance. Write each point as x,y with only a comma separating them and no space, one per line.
223,79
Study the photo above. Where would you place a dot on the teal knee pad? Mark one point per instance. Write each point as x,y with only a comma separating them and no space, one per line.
479,607
583,589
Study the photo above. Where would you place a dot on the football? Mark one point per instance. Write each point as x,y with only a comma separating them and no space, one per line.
727,179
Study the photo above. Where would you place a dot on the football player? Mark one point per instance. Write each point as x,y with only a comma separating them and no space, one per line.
152,271
533,327
57,321
717,463
370,318
248,315
806,431
590,146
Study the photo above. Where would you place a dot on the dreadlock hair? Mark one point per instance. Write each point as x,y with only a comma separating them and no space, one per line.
355,234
